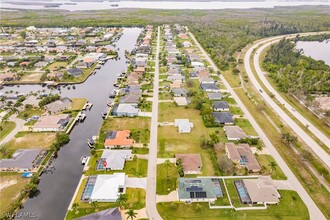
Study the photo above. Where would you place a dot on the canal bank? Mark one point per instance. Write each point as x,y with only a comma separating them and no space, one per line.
57,189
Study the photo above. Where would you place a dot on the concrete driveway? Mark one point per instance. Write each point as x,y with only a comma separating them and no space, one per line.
133,182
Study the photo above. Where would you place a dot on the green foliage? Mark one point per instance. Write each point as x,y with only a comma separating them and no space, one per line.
49,99
294,72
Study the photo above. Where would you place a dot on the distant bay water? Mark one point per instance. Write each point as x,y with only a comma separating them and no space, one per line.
316,50
77,5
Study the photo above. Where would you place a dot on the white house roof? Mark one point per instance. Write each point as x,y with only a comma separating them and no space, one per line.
116,158
184,125
106,186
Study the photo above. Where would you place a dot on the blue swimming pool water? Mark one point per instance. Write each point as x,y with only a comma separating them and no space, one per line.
242,193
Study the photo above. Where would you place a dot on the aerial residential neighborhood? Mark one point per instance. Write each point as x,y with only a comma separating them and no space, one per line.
162,120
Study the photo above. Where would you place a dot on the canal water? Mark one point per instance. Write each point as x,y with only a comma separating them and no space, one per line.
316,50
57,189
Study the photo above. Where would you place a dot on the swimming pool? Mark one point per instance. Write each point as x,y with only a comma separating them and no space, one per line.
242,193
217,188
88,188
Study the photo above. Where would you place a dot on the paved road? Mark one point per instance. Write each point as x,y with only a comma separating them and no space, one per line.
314,211
152,161
19,126
317,149
301,118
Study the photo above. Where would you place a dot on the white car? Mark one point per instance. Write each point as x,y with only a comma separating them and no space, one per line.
84,160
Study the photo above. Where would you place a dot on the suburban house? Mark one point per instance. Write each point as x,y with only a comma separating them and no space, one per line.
181,101
196,190
23,160
225,118
59,105
130,99
210,87
109,214
125,110
261,190
234,133
176,77
214,96
242,155
179,92
115,159
192,163
118,139
108,187
176,84
74,72
184,125
186,44
206,80
51,123
220,106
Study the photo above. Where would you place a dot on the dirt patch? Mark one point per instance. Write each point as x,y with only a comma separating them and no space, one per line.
6,184
32,77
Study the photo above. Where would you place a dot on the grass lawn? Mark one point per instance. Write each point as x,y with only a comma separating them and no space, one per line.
165,96
136,198
264,160
15,183
6,128
29,140
29,113
126,123
56,65
166,179
245,125
236,111
78,103
290,207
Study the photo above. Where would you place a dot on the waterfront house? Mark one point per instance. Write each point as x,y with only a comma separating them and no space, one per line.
107,188
118,139
59,105
125,110
51,123
75,72
115,159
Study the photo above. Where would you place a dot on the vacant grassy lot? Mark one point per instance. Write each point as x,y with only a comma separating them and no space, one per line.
7,127
136,198
56,65
264,161
290,207
29,113
166,178
28,140
245,125
126,123
78,103
11,185
34,77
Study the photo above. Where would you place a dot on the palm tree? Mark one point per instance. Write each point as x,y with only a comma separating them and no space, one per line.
272,165
131,214
167,165
122,199
94,205
75,207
